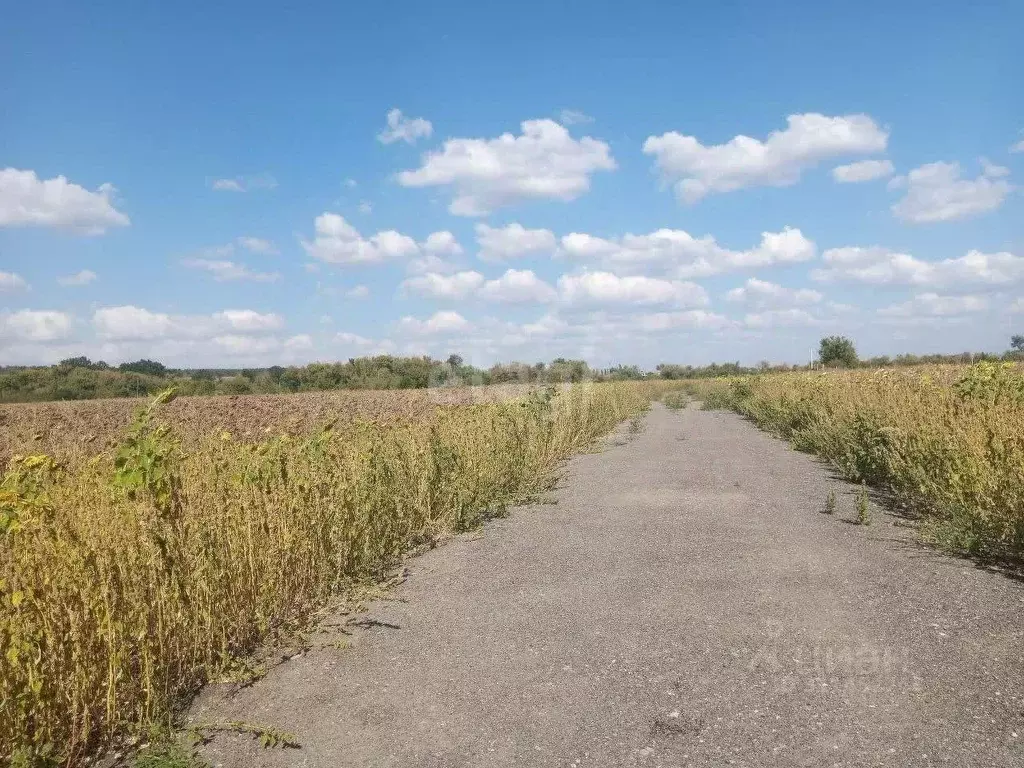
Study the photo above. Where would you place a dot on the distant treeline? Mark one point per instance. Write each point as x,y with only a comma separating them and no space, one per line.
80,378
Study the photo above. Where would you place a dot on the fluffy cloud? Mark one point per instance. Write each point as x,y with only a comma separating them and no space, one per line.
880,266
357,292
244,183
545,162
431,263
866,170
434,249
440,323
338,242
442,244
684,256
1018,147
934,305
686,320
12,282
34,325
517,286
134,323
226,271
513,241
779,161
606,288
402,128
28,201
935,192
84,277
437,286
760,294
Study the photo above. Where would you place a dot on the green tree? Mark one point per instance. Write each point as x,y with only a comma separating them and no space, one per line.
1017,342
148,367
76,362
837,351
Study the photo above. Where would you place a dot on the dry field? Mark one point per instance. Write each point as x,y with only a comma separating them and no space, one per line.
76,429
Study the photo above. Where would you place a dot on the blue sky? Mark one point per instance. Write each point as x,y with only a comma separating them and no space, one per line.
205,183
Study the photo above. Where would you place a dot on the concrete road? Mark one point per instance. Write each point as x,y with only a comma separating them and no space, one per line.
685,603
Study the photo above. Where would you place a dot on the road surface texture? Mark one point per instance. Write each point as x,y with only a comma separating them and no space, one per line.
686,602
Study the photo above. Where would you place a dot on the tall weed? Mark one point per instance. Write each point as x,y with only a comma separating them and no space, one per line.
947,442
131,580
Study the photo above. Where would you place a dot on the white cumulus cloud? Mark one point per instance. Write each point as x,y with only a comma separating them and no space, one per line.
249,321
607,288
433,285
545,162
880,266
684,256
338,242
517,286
33,325
778,161
761,294
126,323
28,201
935,192
442,244
440,323
402,128
435,248
513,241
865,170
685,320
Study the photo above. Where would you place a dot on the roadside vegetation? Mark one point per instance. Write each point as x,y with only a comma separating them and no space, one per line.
945,442
130,579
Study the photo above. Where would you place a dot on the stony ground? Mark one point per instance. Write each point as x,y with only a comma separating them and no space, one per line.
686,602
